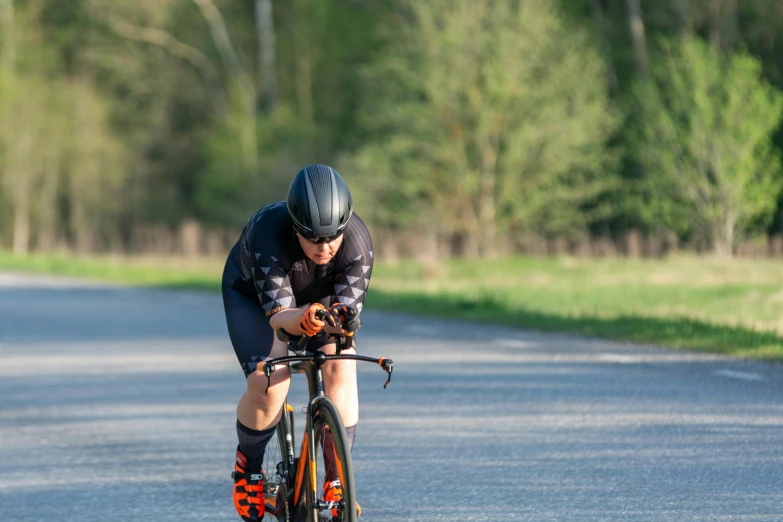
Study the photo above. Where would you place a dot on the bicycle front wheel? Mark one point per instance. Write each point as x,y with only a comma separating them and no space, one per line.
276,470
333,462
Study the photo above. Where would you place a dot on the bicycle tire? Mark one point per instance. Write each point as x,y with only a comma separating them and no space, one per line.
274,457
326,416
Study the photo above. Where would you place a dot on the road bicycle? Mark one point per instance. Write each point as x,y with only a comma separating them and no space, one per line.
293,485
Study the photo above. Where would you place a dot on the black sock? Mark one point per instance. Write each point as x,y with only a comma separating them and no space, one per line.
252,443
330,464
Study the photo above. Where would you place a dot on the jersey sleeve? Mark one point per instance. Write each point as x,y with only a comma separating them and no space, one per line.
272,284
352,282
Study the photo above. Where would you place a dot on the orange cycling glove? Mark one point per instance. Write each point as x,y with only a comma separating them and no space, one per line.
309,323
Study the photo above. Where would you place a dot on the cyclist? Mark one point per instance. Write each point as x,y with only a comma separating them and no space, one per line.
293,258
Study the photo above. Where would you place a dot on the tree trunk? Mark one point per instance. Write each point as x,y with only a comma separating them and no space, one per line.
239,82
606,46
724,235
723,24
8,58
81,224
19,172
731,24
47,229
487,198
684,13
267,76
21,214
636,23
304,82
715,23
487,237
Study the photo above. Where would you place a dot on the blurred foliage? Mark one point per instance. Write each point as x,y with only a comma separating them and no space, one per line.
478,123
487,117
705,138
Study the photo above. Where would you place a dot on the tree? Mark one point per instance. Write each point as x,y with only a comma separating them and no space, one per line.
265,30
8,57
636,23
706,122
489,118
599,20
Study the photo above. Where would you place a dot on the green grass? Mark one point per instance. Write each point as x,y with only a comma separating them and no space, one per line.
175,273
727,306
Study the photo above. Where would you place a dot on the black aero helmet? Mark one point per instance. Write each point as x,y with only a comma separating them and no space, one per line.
319,202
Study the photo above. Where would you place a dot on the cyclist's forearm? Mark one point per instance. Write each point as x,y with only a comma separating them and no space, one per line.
288,320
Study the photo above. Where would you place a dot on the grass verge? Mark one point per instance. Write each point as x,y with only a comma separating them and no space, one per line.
734,307
674,332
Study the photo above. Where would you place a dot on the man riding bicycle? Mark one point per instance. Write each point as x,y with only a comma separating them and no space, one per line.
310,251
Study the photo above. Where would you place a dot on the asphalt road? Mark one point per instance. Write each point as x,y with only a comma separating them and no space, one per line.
118,404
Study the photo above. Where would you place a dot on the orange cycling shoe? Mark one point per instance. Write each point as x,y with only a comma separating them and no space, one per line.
333,492
248,490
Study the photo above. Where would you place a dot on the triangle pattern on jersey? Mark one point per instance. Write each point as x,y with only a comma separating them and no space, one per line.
346,300
365,269
266,269
272,294
340,288
276,280
352,279
286,301
357,292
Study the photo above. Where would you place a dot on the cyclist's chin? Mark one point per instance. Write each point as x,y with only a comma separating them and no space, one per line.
321,260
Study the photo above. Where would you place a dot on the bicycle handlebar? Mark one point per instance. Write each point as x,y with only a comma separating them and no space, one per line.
271,365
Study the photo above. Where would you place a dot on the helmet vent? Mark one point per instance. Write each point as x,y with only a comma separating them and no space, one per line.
321,181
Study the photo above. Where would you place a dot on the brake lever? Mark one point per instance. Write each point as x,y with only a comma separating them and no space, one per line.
388,365
268,369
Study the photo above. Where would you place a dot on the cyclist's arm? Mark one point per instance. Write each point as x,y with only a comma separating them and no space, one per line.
288,320
355,267
274,291
350,285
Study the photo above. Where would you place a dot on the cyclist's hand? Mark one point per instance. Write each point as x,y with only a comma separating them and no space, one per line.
347,315
308,322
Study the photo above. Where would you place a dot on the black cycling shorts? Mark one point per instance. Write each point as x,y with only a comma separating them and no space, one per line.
248,326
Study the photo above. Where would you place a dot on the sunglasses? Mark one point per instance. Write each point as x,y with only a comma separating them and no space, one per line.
319,240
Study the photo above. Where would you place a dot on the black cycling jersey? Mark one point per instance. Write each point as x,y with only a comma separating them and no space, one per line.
284,277
267,271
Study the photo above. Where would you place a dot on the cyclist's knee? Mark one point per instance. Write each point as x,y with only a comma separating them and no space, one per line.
345,369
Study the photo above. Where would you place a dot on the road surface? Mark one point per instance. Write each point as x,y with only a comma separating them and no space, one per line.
118,404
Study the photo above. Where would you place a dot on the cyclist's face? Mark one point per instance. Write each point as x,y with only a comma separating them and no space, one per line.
320,253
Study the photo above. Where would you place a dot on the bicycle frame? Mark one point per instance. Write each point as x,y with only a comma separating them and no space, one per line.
292,468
